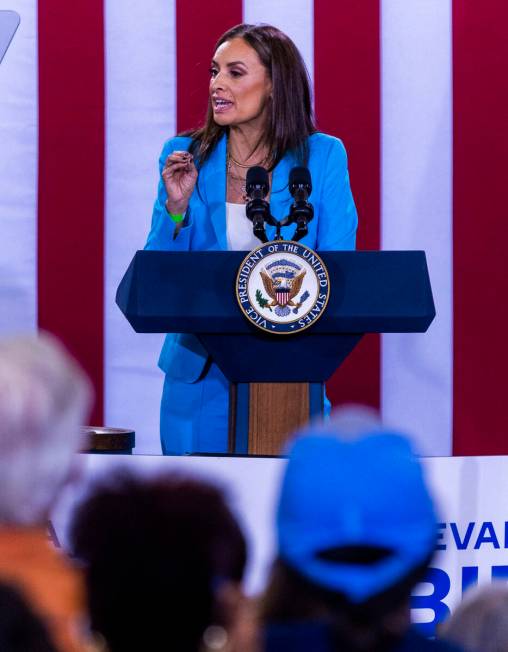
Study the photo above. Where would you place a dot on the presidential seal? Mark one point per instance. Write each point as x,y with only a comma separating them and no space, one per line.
282,287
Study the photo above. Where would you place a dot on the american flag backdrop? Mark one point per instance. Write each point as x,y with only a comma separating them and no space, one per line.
416,89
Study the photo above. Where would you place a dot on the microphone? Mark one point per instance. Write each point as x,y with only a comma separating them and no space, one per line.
300,183
301,211
258,209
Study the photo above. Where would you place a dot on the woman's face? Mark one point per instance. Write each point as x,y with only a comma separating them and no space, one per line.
239,85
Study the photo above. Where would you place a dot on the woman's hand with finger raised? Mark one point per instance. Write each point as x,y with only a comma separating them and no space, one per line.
179,175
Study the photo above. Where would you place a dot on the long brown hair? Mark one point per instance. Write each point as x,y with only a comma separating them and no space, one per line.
290,117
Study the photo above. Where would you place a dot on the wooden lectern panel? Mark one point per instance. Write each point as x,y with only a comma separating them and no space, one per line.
275,411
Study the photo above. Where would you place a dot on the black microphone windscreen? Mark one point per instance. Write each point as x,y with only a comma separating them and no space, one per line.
300,176
257,176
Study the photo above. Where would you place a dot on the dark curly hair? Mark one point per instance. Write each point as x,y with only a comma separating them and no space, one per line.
155,552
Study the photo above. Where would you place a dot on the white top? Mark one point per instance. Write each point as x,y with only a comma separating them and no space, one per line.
239,229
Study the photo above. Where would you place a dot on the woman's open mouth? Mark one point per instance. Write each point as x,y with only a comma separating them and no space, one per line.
220,105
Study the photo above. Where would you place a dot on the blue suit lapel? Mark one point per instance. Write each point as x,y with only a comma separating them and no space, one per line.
215,188
280,198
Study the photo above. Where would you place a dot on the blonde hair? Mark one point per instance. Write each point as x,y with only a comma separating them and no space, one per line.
44,399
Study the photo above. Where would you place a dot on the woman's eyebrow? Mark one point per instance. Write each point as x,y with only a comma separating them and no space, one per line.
230,64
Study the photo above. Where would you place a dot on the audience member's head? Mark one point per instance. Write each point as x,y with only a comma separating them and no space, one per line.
44,397
164,560
480,622
20,629
356,529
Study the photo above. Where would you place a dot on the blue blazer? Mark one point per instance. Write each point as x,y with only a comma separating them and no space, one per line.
204,228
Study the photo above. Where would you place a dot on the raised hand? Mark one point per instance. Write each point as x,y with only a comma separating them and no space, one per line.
179,175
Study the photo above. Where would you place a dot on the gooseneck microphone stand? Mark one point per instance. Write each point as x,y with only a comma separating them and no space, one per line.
258,209
301,211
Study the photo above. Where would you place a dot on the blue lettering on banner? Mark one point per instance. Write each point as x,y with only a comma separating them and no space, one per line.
441,585
483,537
434,601
499,573
462,545
440,536
471,536
469,577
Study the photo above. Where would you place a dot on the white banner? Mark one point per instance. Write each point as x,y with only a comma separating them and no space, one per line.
473,532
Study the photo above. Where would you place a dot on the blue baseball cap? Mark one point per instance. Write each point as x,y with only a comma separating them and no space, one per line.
369,491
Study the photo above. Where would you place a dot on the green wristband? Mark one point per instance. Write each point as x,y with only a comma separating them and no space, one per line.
176,218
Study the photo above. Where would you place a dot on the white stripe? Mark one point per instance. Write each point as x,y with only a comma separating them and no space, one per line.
140,115
294,17
417,209
18,174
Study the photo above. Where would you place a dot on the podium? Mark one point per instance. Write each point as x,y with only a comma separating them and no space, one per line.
277,382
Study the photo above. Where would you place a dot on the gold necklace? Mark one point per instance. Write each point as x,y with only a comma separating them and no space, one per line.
240,182
235,176
243,165
231,159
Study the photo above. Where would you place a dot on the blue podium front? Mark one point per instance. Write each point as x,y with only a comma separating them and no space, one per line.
370,292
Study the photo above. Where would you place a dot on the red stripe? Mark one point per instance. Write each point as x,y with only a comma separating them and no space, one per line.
480,227
71,180
347,99
198,26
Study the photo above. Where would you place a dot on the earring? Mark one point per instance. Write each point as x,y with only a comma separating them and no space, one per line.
215,637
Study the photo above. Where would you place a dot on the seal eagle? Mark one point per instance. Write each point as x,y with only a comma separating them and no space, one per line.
271,287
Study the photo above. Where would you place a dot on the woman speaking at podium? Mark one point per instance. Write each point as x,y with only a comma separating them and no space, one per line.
259,113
